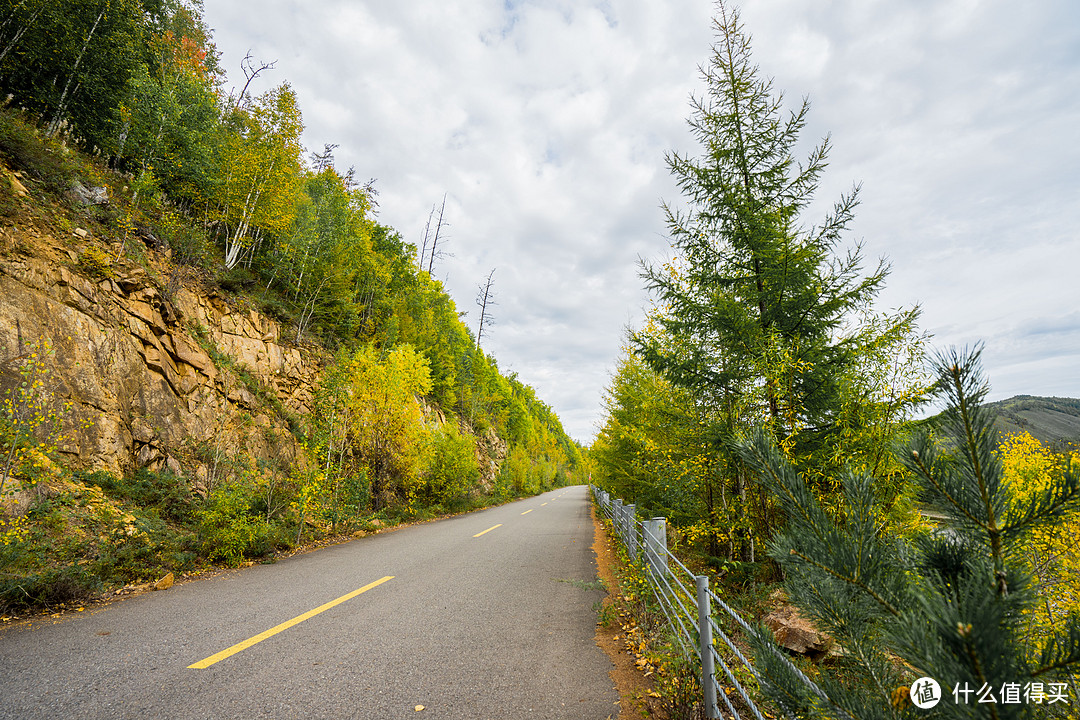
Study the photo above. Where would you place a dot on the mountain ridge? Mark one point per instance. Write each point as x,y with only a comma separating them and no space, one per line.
1053,421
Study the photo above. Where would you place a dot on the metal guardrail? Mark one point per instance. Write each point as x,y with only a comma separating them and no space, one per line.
688,605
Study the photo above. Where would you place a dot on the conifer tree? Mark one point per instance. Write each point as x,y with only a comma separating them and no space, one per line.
947,605
763,317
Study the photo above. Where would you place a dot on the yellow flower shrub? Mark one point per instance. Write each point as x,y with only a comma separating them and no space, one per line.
1051,555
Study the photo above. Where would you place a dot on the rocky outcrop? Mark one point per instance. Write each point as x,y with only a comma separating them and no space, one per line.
491,450
182,380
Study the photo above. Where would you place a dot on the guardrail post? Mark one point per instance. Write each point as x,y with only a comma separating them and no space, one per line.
708,671
631,531
656,545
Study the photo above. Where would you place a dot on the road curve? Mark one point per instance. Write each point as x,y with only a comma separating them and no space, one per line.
485,615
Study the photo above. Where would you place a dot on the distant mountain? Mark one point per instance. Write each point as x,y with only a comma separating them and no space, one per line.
1052,421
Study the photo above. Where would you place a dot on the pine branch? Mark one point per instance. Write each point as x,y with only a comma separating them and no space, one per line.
1062,650
850,580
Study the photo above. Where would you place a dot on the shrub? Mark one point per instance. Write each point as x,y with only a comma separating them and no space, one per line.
452,470
228,528
43,160
188,242
164,492
96,263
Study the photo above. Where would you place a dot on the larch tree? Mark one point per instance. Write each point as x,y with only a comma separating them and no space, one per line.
762,318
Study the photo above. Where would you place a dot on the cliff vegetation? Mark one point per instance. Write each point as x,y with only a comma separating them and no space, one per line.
211,351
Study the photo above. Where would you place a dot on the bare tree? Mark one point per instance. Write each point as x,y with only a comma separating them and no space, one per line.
484,298
435,252
248,65
427,237
325,159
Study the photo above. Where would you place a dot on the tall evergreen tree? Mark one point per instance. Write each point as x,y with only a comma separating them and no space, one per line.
949,605
763,319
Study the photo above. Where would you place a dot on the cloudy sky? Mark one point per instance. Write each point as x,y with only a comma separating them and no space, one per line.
545,123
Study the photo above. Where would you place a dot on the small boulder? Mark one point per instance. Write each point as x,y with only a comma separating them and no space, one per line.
89,195
796,633
165,583
17,187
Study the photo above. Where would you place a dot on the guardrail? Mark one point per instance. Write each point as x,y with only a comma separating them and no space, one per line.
689,612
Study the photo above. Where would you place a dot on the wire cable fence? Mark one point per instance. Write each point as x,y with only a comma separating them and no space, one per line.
688,606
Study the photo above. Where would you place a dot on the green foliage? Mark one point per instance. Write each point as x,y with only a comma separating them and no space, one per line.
163,493
70,61
451,471
189,243
169,119
952,604
75,542
42,159
229,528
650,449
761,319
325,267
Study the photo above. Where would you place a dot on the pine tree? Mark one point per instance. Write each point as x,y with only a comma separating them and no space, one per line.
948,604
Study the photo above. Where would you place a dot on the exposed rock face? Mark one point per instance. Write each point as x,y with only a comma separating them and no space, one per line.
143,391
491,450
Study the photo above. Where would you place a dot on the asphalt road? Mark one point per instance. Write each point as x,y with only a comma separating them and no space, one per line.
467,623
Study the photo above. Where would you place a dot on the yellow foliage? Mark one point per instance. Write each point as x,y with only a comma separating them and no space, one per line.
386,426
1051,554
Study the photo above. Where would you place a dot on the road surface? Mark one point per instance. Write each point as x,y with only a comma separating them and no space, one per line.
485,615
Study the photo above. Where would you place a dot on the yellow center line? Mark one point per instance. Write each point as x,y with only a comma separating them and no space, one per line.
528,511
488,530
203,664
543,504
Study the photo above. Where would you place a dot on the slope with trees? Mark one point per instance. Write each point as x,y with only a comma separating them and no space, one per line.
412,417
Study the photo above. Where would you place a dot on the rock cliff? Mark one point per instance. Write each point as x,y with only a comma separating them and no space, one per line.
157,374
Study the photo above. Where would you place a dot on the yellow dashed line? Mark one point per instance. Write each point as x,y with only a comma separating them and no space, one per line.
488,530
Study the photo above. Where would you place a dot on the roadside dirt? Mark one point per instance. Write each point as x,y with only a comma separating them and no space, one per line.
636,692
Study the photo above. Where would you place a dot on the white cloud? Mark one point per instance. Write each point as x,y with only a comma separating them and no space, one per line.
545,122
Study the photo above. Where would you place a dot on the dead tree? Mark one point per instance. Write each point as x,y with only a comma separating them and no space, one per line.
325,159
250,73
484,298
435,252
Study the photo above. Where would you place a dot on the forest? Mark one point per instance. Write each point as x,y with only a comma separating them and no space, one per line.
128,95
778,419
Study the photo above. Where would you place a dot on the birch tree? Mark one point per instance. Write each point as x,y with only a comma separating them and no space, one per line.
260,160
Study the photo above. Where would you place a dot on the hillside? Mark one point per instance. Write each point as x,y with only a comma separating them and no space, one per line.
1050,420
161,411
